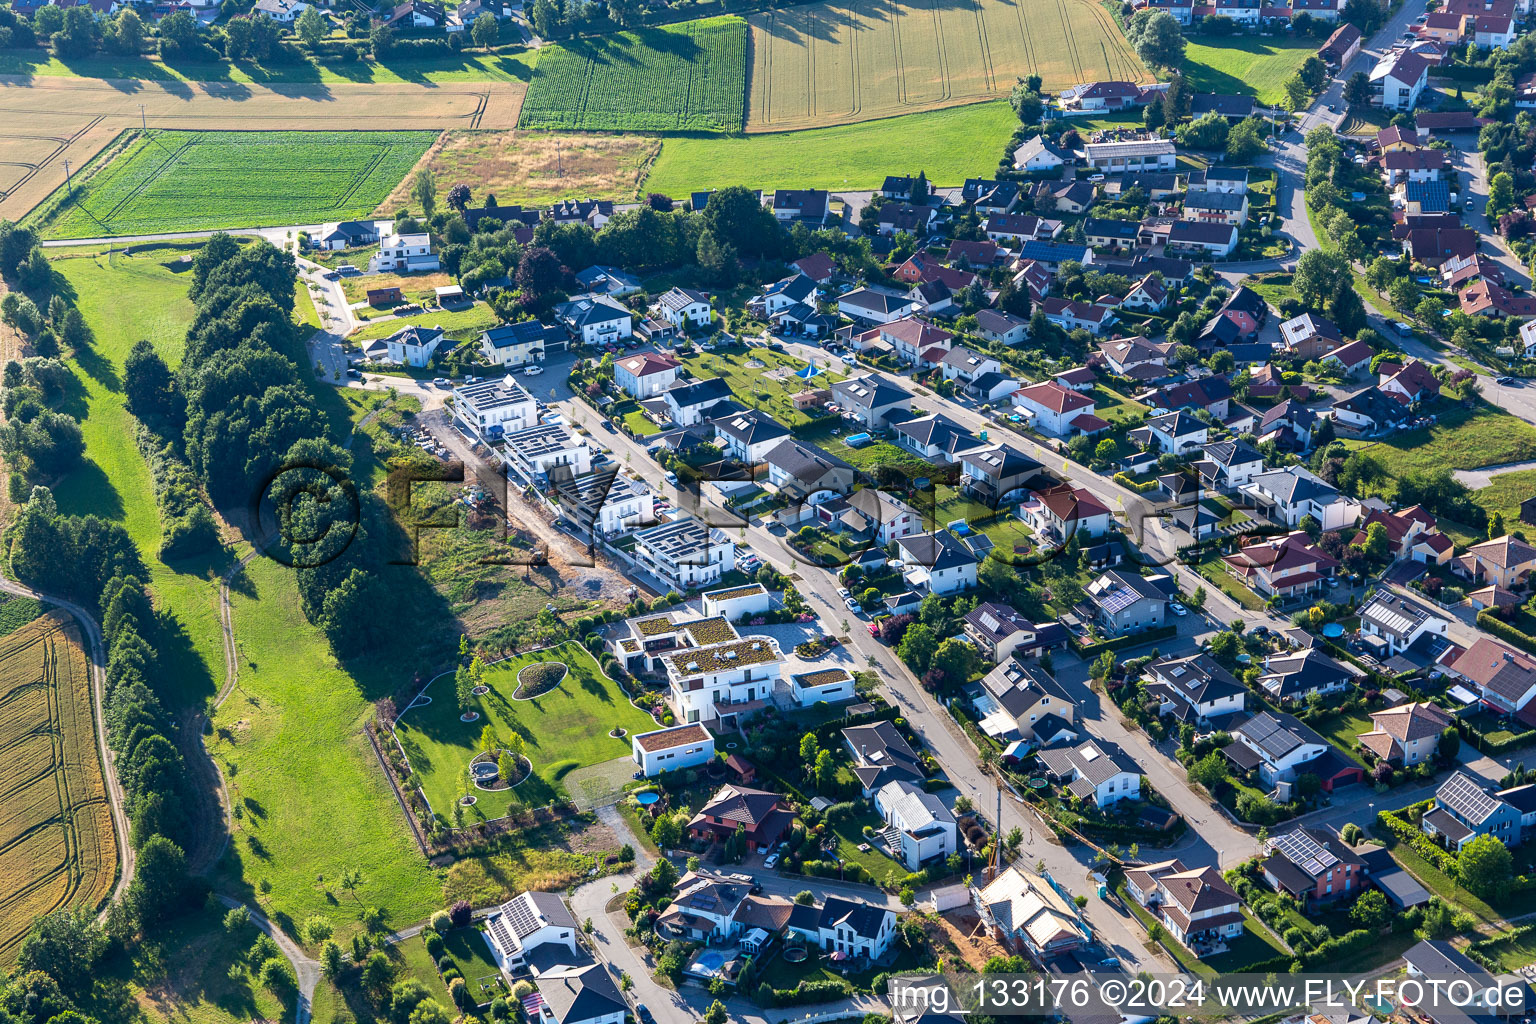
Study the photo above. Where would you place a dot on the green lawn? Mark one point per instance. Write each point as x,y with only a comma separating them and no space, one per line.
1115,407
458,323
1249,65
313,798
181,181
1212,568
565,729
1505,493
124,299
850,835
1254,945
515,66
1514,951
1484,435
949,145
686,77
1342,729
753,386
1437,881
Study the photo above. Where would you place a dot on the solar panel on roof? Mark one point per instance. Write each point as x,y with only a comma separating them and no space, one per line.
1118,599
1305,852
522,918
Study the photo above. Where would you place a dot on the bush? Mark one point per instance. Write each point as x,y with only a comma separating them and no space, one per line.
434,946
461,913
441,922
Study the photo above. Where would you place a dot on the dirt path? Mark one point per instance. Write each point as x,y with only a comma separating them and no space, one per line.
307,971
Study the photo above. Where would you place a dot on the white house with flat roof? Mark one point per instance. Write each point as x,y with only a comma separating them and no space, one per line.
493,408
666,750
685,553
721,681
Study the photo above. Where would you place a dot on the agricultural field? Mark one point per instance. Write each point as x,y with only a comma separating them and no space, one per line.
856,60
948,145
57,847
563,730
685,77
1247,65
172,180
50,119
534,167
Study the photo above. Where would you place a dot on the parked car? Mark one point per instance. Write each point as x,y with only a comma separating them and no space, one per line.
671,477
441,382
771,861
644,1013
852,605
1177,609
354,373
844,593
608,426
533,371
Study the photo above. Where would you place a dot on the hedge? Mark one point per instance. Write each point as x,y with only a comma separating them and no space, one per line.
1129,484
1115,643
1491,623
1486,746
1421,843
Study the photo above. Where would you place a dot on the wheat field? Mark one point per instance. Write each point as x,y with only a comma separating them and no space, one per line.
57,846
857,60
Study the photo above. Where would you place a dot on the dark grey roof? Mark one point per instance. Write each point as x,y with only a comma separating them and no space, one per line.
1197,677
525,332
750,427
1276,734
934,428
869,391
1095,760
1203,103
804,462
1231,453
699,392
1436,956
1301,673
1402,889
1467,798
938,550
1126,230
580,993
1222,202
865,919
591,309
881,755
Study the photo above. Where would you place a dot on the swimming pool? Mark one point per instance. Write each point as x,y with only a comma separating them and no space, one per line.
710,960
646,799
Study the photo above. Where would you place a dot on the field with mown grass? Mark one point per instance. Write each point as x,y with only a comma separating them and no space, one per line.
564,729
1254,66
685,77
125,298
1505,493
458,324
838,63
949,145
1484,435
183,181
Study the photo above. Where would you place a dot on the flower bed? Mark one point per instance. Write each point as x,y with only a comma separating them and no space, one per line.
538,679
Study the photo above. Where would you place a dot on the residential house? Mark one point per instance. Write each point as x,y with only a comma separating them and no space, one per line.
1407,734
1301,674
606,503
1122,355
884,516
284,12
1371,411
613,282
1488,298
1019,702
1465,808
996,475
665,750
1232,107
1392,623
548,450
867,305
1352,358
871,399
1001,326
1504,678
520,344
1504,561
1291,494
1088,96
1148,295
806,473
491,408
1494,32
858,930
595,319
1070,196
528,922
1018,228
1289,424
1055,409
1038,154
1432,246
826,686
963,253
938,561
806,205
1310,336
1061,512
796,289
1176,432
594,213
881,756
1280,748
1211,393
1030,915
416,14
910,338
818,266
998,631
705,906
406,254
1071,315
1286,567
937,437
1398,80
1124,603
1341,48
1196,906
414,346
1417,165
1194,689
1219,177
1051,255
1200,236
345,235
919,828
1312,864
688,402
1229,465
762,816
647,374
1217,208
749,435
1093,771
1110,234
685,554
1407,534
684,308
1123,157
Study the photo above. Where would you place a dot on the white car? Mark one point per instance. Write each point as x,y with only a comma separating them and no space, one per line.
1177,609
771,861
844,593
442,382
852,605
533,371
